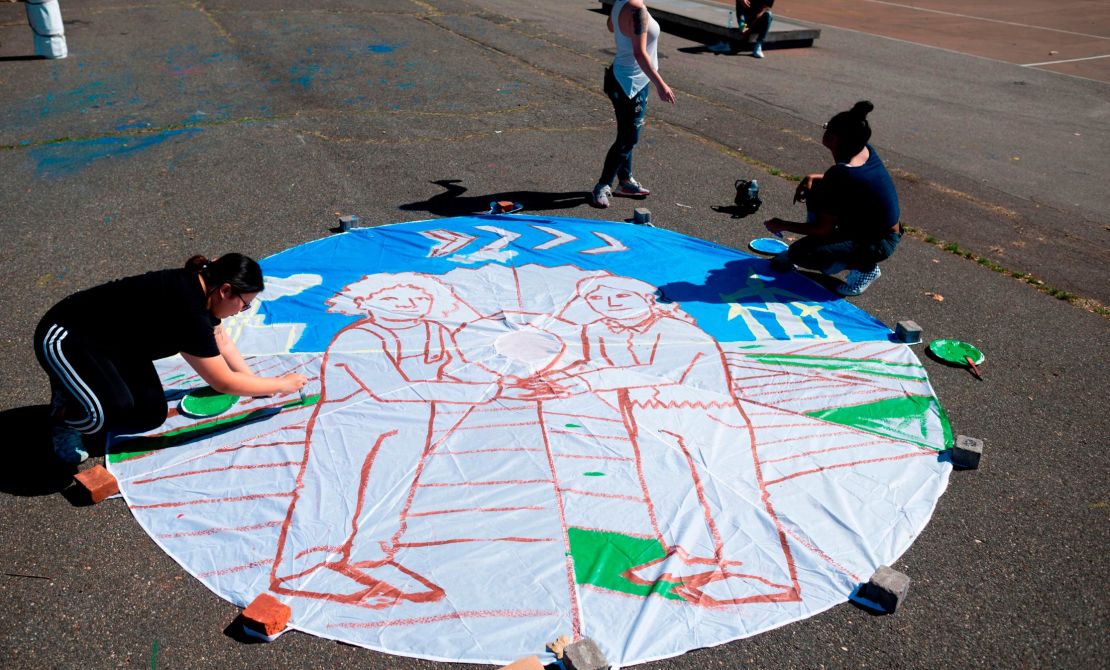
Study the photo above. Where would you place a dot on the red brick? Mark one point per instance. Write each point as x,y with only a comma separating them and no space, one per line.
98,482
529,663
267,615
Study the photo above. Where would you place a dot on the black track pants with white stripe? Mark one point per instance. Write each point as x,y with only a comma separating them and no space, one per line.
101,393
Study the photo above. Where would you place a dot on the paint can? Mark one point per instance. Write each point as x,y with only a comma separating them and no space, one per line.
45,19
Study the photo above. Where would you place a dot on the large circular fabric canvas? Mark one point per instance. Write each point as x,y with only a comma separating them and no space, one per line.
521,427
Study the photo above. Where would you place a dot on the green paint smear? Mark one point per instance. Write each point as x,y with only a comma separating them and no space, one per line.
600,557
594,474
140,446
903,418
877,368
573,425
170,379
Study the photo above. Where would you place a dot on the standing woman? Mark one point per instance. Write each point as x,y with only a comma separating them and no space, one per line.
98,347
626,83
852,209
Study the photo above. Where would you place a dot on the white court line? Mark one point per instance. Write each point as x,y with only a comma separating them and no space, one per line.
934,47
980,18
1068,60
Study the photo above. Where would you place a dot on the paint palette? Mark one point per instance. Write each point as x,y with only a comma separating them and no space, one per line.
768,245
206,402
956,351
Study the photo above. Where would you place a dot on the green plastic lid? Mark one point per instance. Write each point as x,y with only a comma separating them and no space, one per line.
206,402
954,351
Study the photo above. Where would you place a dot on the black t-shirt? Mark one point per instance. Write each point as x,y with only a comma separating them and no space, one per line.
149,316
756,6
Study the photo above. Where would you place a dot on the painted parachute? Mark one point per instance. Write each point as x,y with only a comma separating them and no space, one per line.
522,427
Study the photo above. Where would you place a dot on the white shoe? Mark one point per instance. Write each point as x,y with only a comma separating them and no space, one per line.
857,282
601,195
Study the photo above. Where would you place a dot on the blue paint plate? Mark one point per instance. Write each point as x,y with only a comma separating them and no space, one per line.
768,245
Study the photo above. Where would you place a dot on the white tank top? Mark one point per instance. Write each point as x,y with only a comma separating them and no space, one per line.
625,68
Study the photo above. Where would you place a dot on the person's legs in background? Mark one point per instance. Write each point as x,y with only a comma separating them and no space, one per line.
629,113
759,27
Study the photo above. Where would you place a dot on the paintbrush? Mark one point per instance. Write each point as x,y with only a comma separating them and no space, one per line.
974,369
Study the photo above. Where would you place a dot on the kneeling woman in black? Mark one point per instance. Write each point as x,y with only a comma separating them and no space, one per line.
98,347
852,209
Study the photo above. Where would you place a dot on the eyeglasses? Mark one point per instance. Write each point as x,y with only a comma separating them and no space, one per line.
246,303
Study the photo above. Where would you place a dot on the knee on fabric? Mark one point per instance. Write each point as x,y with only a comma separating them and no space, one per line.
135,415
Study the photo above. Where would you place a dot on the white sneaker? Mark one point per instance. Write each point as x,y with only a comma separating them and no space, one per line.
601,195
857,282
68,446
757,52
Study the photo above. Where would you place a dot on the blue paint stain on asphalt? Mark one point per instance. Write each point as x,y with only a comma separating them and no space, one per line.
67,158
382,48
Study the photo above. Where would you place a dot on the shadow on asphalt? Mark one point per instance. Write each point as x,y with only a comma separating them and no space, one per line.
452,202
31,468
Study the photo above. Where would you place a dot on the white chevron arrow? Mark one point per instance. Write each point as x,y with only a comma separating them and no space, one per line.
560,237
507,237
613,244
449,241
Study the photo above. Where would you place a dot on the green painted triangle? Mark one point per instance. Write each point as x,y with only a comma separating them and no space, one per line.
912,418
601,558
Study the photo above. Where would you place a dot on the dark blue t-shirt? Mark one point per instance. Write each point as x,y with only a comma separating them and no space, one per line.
863,198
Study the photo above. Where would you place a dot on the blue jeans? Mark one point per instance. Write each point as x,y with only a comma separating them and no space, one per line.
630,119
842,249
759,26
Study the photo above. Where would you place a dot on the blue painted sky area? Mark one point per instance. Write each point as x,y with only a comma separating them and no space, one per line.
67,158
712,283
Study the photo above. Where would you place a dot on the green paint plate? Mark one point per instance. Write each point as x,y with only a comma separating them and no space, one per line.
206,402
954,351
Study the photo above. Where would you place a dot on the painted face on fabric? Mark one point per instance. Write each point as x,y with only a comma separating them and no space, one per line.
618,304
399,303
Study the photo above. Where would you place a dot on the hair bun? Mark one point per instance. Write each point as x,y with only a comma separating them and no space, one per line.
862,108
196,263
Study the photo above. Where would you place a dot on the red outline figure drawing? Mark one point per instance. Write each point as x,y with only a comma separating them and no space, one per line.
383,378
667,380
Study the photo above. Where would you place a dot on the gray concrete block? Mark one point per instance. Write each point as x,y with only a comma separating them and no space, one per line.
349,221
584,655
967,452
642,216
887,588
908,332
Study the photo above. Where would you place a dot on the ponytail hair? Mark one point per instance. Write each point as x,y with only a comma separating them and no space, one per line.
851,128
240,272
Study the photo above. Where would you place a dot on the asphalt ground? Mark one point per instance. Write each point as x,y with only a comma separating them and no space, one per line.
182,127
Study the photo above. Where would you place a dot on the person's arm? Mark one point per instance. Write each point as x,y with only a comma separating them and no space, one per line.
634,23
216,372
230,353
806,185
825,224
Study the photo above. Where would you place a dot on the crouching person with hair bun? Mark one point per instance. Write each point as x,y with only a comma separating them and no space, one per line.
852,209
98,346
